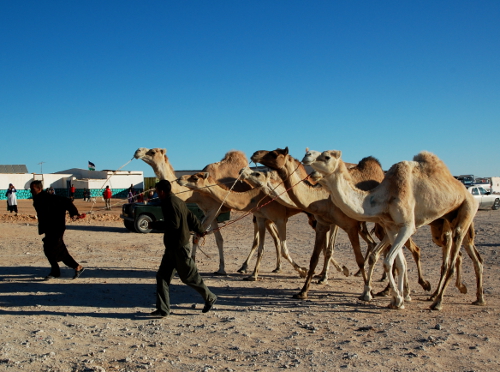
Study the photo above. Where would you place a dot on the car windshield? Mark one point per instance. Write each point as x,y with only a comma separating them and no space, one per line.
482,191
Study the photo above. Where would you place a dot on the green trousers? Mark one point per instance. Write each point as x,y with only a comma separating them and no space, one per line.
178,260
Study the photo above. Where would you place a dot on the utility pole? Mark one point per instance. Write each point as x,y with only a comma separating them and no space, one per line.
41,170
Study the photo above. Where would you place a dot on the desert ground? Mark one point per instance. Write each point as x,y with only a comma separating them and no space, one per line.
98,323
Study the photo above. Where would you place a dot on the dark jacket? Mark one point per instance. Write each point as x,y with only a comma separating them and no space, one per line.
179,221
51,211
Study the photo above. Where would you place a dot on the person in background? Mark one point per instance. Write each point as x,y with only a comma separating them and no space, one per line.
107,194
51,212
11,199
86,195
72,191
178,222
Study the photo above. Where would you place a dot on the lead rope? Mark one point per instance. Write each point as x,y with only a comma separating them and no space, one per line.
256,208
107,179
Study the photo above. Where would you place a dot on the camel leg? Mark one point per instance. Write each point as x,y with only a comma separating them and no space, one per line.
220,244
273,231
353,234
281,226
441,235
372,260
415,252
330,248
255,243
367,237
478,266
331,243
319,245
261,223
396,255
459,228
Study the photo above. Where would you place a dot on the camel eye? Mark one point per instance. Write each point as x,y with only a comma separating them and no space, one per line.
327,158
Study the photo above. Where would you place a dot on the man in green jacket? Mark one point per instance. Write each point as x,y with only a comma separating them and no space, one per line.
179,221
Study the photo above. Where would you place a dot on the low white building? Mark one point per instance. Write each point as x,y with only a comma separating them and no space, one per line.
96,181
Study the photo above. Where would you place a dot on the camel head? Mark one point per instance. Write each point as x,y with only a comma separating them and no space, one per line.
254,178
273,159
316,177
195,181
157,159
326,163
310,156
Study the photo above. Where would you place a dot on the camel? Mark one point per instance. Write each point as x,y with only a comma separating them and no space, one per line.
412,194
315,199
224,171
272,185
253,200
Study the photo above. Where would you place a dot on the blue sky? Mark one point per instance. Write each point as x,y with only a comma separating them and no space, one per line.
95,80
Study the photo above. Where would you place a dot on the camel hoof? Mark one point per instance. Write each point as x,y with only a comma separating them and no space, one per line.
277,270
436,306
358,273
250,278
407,298
367,297
300,296
480,302
385,293
462,288
218,273
394,307
425,285
345,271
323,281
243,269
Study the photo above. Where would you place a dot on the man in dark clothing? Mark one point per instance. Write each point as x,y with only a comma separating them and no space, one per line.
51,211
179,221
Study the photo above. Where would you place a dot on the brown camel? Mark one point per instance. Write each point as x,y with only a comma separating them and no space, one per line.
254,201
225,171
412,194
315,199
272,185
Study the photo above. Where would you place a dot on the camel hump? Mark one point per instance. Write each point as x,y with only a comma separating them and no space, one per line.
368,162
429,163
229,166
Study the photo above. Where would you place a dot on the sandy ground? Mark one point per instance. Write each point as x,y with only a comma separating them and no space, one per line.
97,323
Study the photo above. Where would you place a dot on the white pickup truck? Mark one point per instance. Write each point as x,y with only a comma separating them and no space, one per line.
486,200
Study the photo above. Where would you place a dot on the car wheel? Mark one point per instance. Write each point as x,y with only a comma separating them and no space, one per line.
496,204
129,225
142,224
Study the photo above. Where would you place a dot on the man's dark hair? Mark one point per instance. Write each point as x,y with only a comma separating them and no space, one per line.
38,184
164,186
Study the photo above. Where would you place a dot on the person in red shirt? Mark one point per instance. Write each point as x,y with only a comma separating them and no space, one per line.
107,197
72,191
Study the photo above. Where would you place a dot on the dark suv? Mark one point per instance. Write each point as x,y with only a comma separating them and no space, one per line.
138,216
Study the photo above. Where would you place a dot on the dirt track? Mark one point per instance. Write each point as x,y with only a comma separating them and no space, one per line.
96,323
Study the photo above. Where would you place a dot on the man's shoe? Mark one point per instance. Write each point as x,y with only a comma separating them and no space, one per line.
78,273
157,314
49,277
209,304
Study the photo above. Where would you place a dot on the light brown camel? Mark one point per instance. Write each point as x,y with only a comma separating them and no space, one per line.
315,199
253,200
412,194
272,185
225,171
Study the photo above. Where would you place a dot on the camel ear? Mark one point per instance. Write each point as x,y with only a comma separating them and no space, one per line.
204,175
163,151
286,150
337,153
